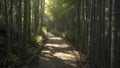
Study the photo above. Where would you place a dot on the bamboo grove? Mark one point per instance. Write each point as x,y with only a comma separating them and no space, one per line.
20,22
92,26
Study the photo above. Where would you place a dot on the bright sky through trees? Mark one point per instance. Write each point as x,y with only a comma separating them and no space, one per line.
46,1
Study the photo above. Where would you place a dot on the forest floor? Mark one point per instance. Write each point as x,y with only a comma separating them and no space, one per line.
56,53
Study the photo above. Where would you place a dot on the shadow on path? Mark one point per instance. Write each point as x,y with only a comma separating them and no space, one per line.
56,54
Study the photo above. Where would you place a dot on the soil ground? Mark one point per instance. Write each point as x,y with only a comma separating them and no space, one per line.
57,53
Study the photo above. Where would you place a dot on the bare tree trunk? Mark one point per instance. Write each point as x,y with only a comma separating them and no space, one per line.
8,38
116,41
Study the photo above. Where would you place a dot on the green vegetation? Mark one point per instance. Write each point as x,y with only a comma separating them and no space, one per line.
92,26
21,31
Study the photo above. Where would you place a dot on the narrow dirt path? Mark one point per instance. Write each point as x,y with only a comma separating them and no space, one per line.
56,54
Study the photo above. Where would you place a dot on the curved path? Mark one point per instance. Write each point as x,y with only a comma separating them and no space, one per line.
56,54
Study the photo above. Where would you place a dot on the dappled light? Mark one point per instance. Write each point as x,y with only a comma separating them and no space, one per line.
39,39
59,33
55,38
55,52
57,45
64,56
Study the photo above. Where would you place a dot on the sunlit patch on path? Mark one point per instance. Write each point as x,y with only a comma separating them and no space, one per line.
56,54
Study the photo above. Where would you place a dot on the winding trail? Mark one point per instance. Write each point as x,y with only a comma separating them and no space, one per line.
57,53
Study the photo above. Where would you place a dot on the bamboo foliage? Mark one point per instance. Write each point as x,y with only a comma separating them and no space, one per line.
92,26
17,21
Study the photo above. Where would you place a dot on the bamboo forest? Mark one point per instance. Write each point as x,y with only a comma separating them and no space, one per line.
59,33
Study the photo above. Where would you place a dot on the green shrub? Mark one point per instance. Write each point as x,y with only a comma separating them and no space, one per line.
11,62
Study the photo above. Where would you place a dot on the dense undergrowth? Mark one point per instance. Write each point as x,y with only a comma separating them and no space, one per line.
19,56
